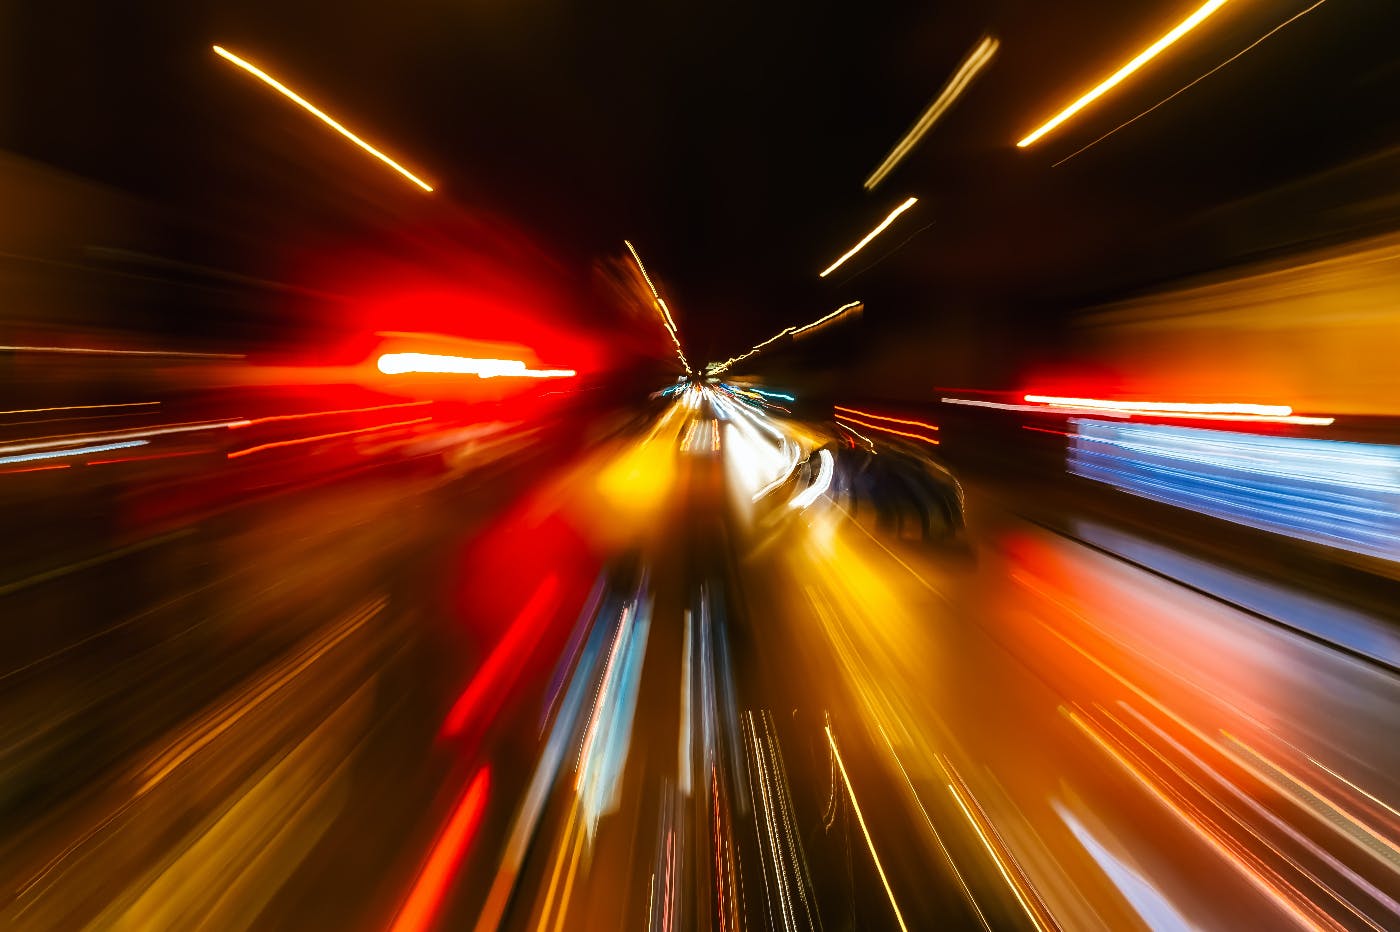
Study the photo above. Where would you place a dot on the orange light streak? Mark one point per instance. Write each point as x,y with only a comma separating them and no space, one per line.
341,433
865,240
249,422
434,881
888,430
319,114
885,417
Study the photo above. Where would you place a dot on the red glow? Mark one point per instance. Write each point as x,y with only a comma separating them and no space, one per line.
483,693
434,881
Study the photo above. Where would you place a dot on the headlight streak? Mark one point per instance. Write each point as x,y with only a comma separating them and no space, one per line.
405,363
825,469
976,60
1177,93
855,807
1113,80
848,307
667,321
306,105
865,240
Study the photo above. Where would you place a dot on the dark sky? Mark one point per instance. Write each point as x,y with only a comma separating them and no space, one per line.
729,140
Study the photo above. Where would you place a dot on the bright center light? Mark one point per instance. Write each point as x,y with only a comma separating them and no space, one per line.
400,363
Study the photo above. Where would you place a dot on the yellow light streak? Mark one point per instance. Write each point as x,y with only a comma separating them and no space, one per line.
865,241
661,306
855,806
1113,80
844,309
975,61
319,114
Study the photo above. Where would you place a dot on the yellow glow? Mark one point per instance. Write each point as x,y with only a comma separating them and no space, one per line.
975,61
872,234
319,114
1145,56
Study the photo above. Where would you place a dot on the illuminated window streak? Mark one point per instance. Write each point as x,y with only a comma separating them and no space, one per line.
331,436
865,240
435,879
975,61
855,806
319,114
1113,80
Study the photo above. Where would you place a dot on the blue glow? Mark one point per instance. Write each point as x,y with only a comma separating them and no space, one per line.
1330,492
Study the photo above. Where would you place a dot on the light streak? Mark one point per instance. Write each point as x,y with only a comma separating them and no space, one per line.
883,417
825,468
1172,407
331,436
855,806
880,228
249,422
1125,412
70,451
848,307
87,351
129,404
662,309
1113,80
435,879
1177,93
68,440
975,61
319,114
401,363
997,858
842,419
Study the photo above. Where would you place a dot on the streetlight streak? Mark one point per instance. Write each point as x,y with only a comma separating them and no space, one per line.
870,236
319,114
975,61
1113,80
841,311
660,302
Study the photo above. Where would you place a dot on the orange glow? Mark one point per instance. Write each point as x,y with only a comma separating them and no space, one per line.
434,881
1113,80
340,433
319,114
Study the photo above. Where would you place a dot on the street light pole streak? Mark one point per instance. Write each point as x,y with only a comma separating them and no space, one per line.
1113,80
660,302
319,114
865,241
841,311
975,61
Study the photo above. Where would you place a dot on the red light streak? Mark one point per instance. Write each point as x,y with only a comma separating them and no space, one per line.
887,430
142,459
434,880
885,417
11,472
506,659
340,433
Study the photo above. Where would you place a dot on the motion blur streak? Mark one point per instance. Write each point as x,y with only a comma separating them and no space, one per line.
274,418
666,320
847,308
843,419
319,114
1113,80
425,900
70,451
975,61
401,363
298,441
865,240
1330,492
1183,410
860,817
